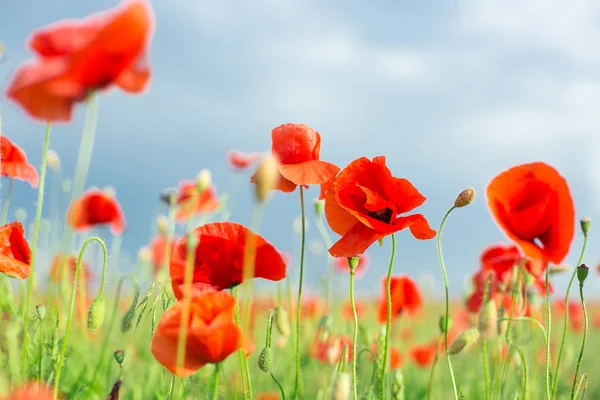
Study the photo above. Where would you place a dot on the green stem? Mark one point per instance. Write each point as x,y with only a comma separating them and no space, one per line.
566,319
11,183
585,332
241,355
548,330
40,374
185,311
297,378
447,315
215,393
23,297
432,374
529,319
583,378
280,387
171,388
354,336
485,368
524,364
36,230
388,291
63,351
328,243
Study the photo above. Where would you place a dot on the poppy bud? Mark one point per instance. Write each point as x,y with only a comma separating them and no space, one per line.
66,185
559,269
586,223
341,386
266,178
488,319
353,263
282,319
53,160
266,360
21,215
119,356
96,314
464,341
582,273
162,224
442,323
169,197
41,311
464,198
398,385
203,180
319,207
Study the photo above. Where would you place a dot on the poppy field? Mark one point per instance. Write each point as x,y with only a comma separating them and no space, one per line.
201,327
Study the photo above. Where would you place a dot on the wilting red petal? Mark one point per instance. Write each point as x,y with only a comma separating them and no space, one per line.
356,241
238,160
312,172
14,163
15,254
96,208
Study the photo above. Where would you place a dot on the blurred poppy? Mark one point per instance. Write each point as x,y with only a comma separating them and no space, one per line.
268,396
80,56
61,263
297,148
93,208
238,161
341,264
395,357
15,254
158,249
311,307
212,334
532,204
32,391
405,297
348,314
576,317
219,258
364,203
329,350
423,354
14,163
192,202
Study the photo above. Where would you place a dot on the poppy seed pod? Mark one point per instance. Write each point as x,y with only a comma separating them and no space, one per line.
282,320
319,207
96,314
353,263
266,178
53,160
465,198
266,360
582,273
203,180
119,356
341,386
586,223
488,319
464,341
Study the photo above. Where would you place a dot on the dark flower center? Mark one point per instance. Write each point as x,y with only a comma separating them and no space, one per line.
384,215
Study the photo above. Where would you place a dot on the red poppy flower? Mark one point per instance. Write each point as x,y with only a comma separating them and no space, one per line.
158,250
395,357
80,56
405,297
364,203
341,264
297,148
212,334
69,264
325,187
93,208
192,202
238,161
423,355
311,307
531,203
32,390
15,254
14,163
329,350
219,259
348,314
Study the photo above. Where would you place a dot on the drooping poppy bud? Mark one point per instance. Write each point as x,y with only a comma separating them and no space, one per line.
465,198
464,341
488,319
341,386
96,314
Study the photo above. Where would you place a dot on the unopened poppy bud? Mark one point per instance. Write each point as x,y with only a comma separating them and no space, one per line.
41,311
586,223
162,224
282,320
341,386
20,215
559,269
203,180
266,178
266,360
192,242
144,254
464,341
53,160
465,198
353,262
319,207
488,319
169,197
582,273
442,323
398,385
119,356
96,314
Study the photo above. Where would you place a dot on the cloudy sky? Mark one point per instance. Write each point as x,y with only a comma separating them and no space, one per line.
452,94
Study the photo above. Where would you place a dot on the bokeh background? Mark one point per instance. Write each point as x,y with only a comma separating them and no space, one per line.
451,92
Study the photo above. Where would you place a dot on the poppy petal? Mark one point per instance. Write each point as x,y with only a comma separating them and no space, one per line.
338,218
311,172
355,241
408,195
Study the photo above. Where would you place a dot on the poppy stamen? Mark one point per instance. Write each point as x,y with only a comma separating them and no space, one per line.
384,215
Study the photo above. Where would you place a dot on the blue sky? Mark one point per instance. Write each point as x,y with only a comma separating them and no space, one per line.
451,94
